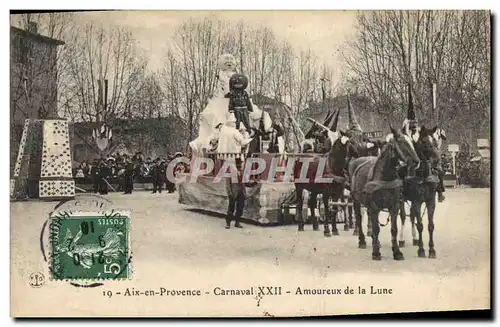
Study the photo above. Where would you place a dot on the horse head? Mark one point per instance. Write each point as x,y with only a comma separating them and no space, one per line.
403,144
439,136
341,151
426,145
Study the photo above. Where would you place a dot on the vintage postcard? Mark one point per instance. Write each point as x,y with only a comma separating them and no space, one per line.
249,163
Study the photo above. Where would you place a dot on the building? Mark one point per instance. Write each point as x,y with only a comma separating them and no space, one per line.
33,80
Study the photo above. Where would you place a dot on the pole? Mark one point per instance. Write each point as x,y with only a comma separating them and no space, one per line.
323,94
435,113
453,161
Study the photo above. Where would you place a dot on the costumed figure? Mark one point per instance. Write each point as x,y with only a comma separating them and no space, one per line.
262,126
355,131
214,140
277,143
231,140
239,100
410,127
216,108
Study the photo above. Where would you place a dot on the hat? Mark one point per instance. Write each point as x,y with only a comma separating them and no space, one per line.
353,120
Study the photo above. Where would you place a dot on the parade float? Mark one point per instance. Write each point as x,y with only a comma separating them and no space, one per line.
201,189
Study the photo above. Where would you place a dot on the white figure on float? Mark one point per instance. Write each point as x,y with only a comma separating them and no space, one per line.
231,140
217,107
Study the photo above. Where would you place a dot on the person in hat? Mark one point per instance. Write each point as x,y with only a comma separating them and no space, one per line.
94,174
355,132
214,140
439,137
128,176
169,184
161,174
411,128
104,173
278,131
154,174
231,140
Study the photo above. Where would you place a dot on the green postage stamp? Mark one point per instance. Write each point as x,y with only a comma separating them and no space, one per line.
90,245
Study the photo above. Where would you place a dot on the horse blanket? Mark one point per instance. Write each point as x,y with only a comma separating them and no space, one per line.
361,172
312,171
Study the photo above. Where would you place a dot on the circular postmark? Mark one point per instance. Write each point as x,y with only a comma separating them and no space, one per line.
86,241
37,280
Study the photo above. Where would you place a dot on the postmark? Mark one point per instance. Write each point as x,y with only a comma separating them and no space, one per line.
89,246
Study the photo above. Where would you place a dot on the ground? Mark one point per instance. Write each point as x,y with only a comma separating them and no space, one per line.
176,248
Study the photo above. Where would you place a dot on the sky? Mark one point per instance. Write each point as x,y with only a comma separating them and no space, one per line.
323,31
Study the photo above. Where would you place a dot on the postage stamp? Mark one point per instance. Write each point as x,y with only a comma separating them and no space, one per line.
89,245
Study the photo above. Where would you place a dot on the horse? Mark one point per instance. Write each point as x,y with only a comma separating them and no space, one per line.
366,148
422,188
375,183
339,150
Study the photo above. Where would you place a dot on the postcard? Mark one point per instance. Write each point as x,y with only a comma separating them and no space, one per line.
249,163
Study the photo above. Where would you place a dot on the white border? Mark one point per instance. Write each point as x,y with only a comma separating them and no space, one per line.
190,4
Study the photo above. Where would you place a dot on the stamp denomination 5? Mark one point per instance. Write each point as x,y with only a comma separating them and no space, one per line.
89,246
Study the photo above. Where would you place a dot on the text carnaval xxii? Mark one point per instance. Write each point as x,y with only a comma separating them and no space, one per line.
251,291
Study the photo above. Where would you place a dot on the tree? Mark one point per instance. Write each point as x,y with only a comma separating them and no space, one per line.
105,54
149,99
271,65
394,49
190,66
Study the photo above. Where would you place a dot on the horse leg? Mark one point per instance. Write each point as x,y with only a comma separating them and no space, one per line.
396,252
369,228
298,210
359,225
350,212
335,198
402,213
420,227
327,221
356,206
311,203
344,213
373,217
431,207
413,225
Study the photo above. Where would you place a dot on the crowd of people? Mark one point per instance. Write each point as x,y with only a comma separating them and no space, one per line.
123,170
